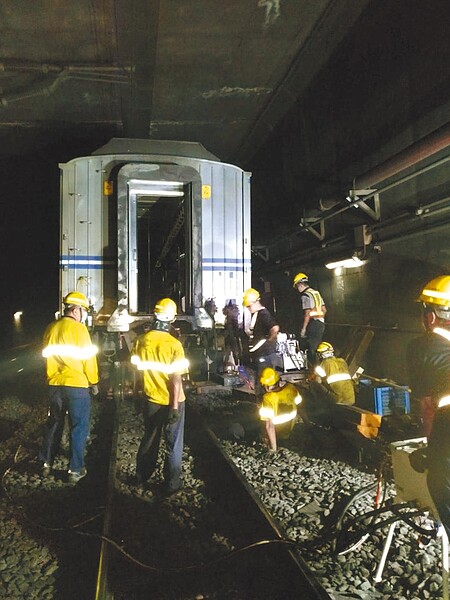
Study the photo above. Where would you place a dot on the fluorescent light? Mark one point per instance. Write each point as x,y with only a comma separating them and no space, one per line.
347,263
153,192
157,187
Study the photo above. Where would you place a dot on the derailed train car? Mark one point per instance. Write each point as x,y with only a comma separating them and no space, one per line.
144,219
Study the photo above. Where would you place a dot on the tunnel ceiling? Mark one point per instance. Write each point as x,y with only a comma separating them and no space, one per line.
220,73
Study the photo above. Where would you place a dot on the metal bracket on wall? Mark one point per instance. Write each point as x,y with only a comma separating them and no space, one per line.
310,224
262,252
359,199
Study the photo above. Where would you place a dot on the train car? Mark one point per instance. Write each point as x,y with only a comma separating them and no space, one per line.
145,219
141,219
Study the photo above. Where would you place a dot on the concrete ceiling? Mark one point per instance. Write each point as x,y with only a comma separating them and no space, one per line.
220,73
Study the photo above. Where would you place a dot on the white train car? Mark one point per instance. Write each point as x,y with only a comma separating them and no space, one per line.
144,219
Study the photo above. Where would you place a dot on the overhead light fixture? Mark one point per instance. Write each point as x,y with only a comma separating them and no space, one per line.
347,263
157,192
142,187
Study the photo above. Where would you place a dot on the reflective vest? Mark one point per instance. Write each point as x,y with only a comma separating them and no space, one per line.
316,311
159,355
71,356
280,406
335,372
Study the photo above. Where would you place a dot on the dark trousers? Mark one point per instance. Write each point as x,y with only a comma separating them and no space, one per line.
314,335
438,480
155,423
76,402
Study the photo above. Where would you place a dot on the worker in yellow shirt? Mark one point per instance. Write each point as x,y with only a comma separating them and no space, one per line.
279,406
160,359
72,376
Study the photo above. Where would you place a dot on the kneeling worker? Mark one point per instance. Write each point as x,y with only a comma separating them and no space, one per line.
334,373
279,406
330,384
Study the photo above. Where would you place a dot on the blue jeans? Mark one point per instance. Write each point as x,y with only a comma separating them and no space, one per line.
76,402
155,422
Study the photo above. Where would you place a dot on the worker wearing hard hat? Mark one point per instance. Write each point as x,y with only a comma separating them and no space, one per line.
428,357
279,406
262,333
334,374
71,370
430,381
313,314
160,358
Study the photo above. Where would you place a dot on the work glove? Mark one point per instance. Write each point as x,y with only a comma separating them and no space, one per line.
173,416
94,389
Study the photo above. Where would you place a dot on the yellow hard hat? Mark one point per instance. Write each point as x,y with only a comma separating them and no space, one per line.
76,298
437,291
325,349
250,296
165,310
300,278
269,377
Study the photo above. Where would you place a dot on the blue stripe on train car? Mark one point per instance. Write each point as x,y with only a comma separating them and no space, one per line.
86,262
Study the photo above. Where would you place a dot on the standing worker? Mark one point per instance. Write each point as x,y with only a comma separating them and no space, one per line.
313,318
262,333
279,406
428,357
71,370
430,380
160,357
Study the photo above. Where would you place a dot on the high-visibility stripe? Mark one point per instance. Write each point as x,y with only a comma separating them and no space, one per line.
258,345
445,401
318,302
70,351
320,371
266,413
338,377
168,369
280,419
445,333
298,400
437,295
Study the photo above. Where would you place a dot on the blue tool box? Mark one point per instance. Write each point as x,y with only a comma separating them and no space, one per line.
383,400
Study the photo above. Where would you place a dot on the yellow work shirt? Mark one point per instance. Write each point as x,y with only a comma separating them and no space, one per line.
159,355
335,372
281,405
71,356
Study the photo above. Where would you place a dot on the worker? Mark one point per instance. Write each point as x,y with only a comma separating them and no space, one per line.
72,376
328,384
313,317
232,336
333,372
262,333
429,364
428,357
160,359
279,406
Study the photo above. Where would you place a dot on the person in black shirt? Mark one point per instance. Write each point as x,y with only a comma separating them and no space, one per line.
262,332
429,362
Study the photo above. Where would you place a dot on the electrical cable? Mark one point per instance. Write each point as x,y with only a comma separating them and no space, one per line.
76,529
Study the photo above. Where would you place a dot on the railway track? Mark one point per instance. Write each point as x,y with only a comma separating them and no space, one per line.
237,551
204,543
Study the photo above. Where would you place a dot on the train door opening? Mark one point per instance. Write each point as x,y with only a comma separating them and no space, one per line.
160,258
